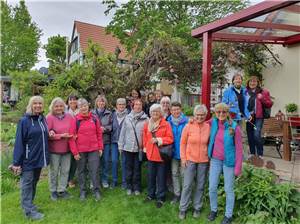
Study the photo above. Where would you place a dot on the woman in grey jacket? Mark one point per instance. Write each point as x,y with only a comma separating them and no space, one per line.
105,117
130,142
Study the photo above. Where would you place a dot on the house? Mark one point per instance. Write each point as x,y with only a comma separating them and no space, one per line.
83,32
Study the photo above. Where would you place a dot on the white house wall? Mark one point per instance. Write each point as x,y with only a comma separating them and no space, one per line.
284,81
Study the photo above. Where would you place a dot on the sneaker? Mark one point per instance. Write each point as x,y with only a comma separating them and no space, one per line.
196,214
137,193
97,196
71,184
113,185
261,157
105,185
212,216
250,156
54,196
181,215
226,220
35,216
129,192
159,204
175,200
148,199
64,195
82,196
124,186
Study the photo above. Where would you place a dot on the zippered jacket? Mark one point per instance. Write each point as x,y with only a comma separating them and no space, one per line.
31,146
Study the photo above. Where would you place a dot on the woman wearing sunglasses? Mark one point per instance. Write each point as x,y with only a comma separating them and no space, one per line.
225,150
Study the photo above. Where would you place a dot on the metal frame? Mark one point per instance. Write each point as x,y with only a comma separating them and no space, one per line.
209,33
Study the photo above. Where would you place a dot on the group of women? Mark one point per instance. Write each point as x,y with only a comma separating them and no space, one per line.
74,138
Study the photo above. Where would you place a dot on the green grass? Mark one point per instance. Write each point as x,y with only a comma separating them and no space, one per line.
114,207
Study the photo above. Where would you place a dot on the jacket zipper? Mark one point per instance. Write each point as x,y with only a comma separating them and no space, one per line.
44,147
27,152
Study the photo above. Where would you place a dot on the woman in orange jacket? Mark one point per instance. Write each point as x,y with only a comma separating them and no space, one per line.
157,132
194,160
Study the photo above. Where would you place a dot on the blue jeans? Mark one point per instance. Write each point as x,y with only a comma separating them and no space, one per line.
255,140
215,170
105,163
123,167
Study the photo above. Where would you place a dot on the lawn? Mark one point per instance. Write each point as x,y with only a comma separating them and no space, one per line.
114,207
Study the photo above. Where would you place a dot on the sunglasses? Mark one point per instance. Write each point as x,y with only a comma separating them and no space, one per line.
221,112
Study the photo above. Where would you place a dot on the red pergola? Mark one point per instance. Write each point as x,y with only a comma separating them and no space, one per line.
268,22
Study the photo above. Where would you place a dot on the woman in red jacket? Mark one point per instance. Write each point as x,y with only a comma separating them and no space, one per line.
87,146
259,100
161,129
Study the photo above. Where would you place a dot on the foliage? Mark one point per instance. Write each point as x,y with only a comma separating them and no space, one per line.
157,34
291,107
187,110
8,133
257,191
19,38
56,54
8,180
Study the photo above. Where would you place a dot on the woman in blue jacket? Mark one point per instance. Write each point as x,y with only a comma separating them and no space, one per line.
177,121
31,153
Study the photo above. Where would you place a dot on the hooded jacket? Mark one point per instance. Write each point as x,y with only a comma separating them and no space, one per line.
31,146
87,134
177,131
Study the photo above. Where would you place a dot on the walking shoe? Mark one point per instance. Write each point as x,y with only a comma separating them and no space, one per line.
137,193
82,196
105,185
175,200
181,215
35,215
113,185
212,216
196,214
97,196
54,196
226,220
159,204
129,192
64,195
148,199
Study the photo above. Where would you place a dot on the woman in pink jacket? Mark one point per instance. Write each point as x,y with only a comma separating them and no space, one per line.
259,101
87,146
59,124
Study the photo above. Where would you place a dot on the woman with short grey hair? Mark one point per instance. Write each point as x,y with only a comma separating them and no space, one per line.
59,124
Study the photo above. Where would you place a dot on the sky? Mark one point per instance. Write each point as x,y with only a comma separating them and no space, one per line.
57,17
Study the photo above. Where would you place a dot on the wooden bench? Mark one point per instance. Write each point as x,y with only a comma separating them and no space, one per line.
272,133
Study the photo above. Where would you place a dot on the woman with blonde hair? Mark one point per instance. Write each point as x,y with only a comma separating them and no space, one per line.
225,151
31,153
59,124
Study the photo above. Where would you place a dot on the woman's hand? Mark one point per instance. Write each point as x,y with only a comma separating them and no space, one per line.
16,169
100,153
66,135
154,140
51,133
77,157
183,163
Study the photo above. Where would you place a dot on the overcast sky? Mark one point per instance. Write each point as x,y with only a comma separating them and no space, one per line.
57,17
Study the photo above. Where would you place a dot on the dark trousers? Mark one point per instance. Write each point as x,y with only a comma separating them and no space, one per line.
255,140
133,170
73,168
91,160
28,182
157,172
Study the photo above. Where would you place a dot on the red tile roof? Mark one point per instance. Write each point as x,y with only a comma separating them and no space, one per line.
98,35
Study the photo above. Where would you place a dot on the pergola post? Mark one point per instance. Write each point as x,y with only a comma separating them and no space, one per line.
206,70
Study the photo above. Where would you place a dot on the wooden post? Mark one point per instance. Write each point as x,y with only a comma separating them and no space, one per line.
286,141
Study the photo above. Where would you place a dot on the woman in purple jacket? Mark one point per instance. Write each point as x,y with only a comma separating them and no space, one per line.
259,101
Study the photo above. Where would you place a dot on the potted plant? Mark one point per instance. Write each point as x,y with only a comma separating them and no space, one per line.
291,109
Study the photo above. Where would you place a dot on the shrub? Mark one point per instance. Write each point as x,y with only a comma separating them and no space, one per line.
8,132
8,180
187,110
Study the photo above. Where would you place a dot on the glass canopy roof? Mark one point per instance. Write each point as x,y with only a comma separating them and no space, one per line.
276,22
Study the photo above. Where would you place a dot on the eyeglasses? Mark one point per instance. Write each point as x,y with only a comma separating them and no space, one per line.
221,112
